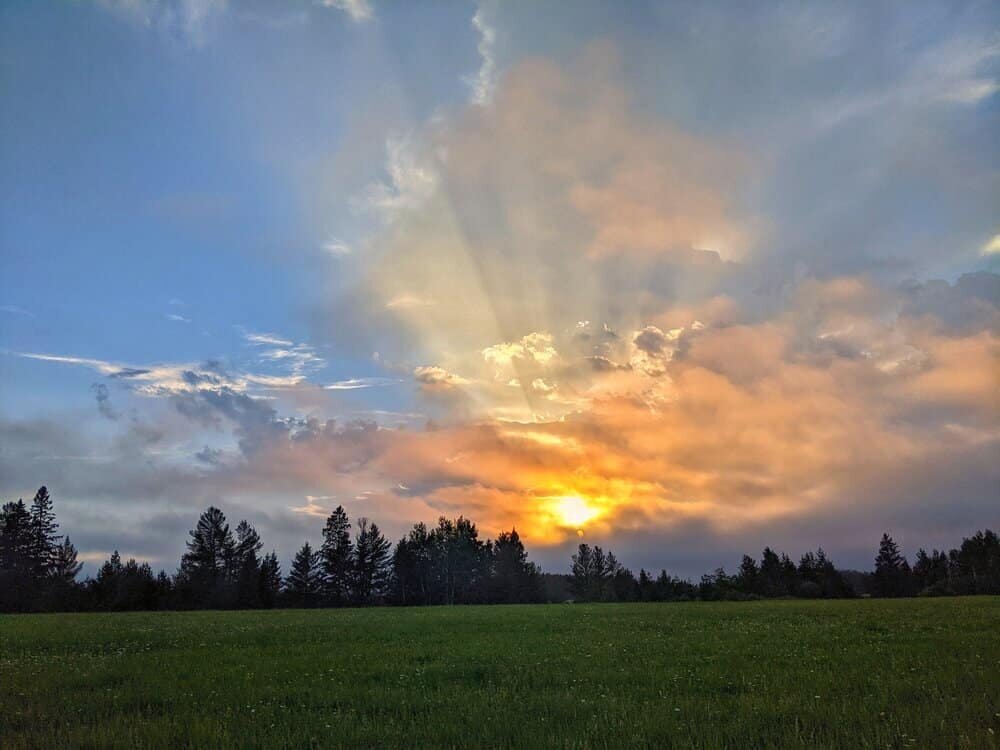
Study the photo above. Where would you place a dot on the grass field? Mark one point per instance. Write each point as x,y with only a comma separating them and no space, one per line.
845,674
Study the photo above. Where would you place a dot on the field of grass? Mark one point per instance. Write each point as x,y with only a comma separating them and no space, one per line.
845,674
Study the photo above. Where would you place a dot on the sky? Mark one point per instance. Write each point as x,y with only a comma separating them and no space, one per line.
679,279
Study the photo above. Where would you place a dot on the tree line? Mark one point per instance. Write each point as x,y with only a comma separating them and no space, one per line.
223,568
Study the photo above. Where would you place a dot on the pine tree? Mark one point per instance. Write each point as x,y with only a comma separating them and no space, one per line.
413,567
206,566
247,574
64,565
337,555
892,572
304,584
748,578
270,580
17,589
15,537
514,578
371,563
44,539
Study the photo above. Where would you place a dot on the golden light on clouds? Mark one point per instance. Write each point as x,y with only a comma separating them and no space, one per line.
594,352
573,511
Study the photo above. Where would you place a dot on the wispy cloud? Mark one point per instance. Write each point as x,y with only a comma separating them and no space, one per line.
359,10
300,358
336,248
483,82
355,383
177,318
15,310
411,181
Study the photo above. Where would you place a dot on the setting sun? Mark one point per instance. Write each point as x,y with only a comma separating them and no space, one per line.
574,511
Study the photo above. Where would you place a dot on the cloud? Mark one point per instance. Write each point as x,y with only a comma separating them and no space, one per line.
104,401
536,347
187,19
437,377
352,384
162,380
359,10
177,318
482,84
410,181
336,248
15,310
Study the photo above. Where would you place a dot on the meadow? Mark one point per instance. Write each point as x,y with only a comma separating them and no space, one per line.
819,674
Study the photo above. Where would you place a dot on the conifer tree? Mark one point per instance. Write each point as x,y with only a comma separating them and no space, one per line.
337,556
64,564
892,572
270,579
304,584
44,538
206,566
371,563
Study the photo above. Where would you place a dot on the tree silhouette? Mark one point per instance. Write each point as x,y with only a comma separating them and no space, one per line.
591,573
892,572
64,565
371,563
514,578
270,580
207,565
304,584
44,538
337,558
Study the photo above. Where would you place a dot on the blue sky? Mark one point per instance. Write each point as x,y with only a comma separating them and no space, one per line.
474,235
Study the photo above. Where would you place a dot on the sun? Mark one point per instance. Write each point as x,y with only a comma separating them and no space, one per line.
573,511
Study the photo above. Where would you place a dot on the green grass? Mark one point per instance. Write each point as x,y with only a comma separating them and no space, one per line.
845,674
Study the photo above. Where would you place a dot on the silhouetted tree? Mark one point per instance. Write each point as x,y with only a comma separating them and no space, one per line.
460,562
337,556
206,568
44,538
514,578
270,580
17,571
64,565
371,563
591,573
977,562
748,577
892,572
247,566
304,585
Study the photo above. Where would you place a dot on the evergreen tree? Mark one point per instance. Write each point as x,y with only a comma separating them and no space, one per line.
44,538
64,565
206,567
748,578
514,578
248,544
772,578
337,556
460,562
270,580
647,588
371,563
17,589
892,572
304,584
591,573
16,537
413,565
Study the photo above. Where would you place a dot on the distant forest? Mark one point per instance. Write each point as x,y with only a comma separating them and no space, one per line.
446,564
